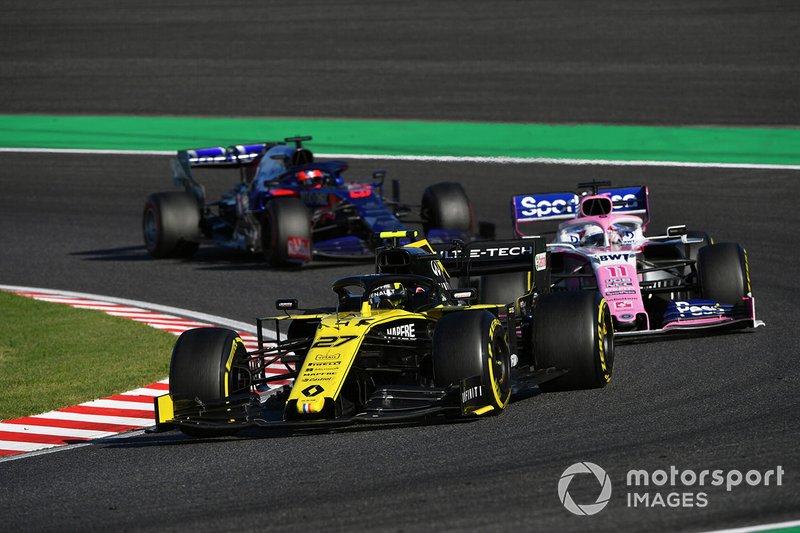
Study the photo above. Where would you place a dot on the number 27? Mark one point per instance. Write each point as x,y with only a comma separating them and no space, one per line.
332,342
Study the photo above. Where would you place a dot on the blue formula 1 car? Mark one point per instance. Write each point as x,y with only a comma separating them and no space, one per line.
291,208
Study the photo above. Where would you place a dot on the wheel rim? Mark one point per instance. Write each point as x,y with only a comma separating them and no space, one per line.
499,369
240,376
150,227
606,339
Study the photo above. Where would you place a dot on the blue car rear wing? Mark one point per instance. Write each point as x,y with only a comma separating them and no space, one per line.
532,208
236,156
232,156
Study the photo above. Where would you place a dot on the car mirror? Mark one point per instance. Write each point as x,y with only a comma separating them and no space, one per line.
463,294
286,304
676,231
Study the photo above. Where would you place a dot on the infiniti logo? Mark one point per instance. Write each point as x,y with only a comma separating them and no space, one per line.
585,509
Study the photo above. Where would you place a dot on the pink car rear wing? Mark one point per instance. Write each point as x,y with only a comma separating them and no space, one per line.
529,209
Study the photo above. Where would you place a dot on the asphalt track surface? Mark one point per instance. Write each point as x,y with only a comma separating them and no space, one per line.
73,222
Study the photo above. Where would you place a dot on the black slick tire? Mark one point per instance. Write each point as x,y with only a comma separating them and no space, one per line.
286,232
474,343
573,331
208,364
171,224
723,272
446,206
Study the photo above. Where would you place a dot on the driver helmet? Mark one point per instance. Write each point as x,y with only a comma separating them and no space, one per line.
310,179
389,296
593,236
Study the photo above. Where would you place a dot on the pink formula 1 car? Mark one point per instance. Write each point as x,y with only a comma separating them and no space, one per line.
681,281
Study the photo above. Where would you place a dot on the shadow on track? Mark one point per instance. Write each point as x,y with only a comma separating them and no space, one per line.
175,437
211,259
121,253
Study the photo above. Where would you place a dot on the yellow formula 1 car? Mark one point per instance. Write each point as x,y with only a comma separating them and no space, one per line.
400,345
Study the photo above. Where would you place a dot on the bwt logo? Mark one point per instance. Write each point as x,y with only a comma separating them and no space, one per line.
544,208
589,508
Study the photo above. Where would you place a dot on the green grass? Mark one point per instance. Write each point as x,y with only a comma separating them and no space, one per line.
412,137
53,355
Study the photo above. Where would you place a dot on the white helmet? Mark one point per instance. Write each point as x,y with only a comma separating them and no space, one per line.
593,236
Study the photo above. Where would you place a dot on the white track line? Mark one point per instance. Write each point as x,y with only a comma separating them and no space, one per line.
453,159
88,151
765,527
563,161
